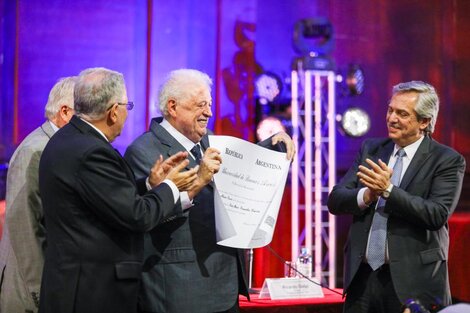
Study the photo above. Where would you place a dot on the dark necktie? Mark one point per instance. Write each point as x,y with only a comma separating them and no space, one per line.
196,152
378,235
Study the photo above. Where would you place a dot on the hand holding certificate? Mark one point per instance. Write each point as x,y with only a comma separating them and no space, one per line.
249,188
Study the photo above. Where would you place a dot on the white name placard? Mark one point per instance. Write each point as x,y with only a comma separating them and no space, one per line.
290,288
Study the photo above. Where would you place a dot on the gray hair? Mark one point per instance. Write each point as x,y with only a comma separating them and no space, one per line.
427,105
95,90
61,94
179,85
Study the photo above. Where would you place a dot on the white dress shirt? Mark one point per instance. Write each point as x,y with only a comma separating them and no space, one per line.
188,144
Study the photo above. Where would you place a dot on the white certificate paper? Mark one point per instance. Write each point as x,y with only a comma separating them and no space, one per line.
248,193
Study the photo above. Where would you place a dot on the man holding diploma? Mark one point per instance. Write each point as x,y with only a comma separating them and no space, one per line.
184,249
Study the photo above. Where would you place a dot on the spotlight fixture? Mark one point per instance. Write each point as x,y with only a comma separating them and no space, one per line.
355,80
268,87
313,36
313,39
355,122
268,127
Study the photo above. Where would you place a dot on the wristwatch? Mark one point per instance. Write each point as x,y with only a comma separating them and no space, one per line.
386,192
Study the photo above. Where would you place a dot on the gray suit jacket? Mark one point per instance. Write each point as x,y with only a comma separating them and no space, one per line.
417,229
184,269
23,240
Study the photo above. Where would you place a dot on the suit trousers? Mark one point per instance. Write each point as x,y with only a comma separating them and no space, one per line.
372,292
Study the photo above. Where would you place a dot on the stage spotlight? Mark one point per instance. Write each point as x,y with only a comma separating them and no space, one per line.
355,80
355,122
268,87
268,127
313,38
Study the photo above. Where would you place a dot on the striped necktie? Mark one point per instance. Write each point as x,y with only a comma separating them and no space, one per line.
196,152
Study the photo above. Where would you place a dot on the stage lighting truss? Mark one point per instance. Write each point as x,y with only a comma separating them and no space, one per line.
314,169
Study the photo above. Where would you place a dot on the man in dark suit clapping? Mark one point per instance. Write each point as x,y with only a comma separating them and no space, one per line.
95,211
401,191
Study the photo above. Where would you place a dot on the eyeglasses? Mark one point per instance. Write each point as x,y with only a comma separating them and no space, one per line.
129,105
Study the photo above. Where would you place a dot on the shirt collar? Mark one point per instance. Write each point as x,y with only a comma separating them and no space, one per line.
96,128
410,150
54,126
182,139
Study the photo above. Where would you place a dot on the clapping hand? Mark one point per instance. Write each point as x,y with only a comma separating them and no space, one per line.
172,169
376,179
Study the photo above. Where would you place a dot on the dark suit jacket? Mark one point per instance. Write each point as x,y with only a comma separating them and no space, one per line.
95,219
417,230
185,270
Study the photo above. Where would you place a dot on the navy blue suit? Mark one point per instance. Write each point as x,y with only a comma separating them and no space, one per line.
95,220
419,209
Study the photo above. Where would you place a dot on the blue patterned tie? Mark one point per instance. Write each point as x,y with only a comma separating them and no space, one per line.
196,152
378,235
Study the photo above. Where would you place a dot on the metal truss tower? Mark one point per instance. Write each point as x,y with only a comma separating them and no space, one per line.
314,169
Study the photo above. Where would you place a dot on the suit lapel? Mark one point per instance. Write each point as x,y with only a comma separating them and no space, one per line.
173,146
205,142
383,153
422,154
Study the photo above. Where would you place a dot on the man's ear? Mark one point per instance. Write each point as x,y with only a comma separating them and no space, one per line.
113,114
65,112
171,107
62,116
424,123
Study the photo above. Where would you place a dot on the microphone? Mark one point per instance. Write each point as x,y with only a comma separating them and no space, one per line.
273,252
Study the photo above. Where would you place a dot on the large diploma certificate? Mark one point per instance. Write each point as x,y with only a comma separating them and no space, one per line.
248,193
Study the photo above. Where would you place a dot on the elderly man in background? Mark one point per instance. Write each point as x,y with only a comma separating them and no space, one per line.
23,241
95,211
185,270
